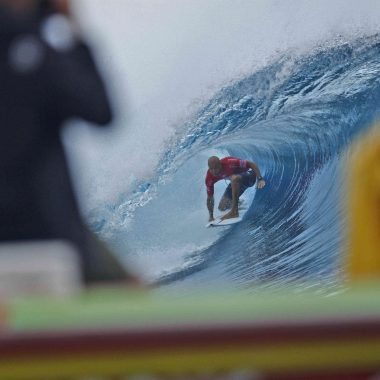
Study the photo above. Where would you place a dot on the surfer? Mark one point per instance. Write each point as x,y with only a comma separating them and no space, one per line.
241,173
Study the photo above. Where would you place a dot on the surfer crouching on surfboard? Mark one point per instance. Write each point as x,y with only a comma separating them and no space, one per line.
241,173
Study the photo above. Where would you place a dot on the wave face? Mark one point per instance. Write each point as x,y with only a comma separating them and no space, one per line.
295,119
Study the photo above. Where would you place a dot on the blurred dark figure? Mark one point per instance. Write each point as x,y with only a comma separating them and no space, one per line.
47,75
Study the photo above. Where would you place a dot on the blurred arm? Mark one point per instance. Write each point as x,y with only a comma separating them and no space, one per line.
78,86
79,90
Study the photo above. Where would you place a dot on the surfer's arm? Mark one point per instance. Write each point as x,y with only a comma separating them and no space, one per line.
210,207
210,195
260,179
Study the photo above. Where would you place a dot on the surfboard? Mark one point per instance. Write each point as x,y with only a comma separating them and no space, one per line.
218,222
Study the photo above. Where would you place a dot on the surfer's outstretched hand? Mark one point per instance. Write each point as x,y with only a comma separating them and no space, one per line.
260,184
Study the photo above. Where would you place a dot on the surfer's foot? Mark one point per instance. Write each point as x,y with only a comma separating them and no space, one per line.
224,204
230,215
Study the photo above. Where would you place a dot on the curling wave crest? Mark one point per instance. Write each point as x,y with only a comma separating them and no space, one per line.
295,119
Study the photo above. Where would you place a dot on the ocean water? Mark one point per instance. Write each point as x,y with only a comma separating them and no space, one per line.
295,118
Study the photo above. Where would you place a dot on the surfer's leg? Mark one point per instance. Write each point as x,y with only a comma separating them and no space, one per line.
235,184
224,204
235,187
225,201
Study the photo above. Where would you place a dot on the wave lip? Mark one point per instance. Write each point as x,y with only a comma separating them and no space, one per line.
295,118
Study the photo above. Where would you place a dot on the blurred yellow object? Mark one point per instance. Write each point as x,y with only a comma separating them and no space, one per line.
364,208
